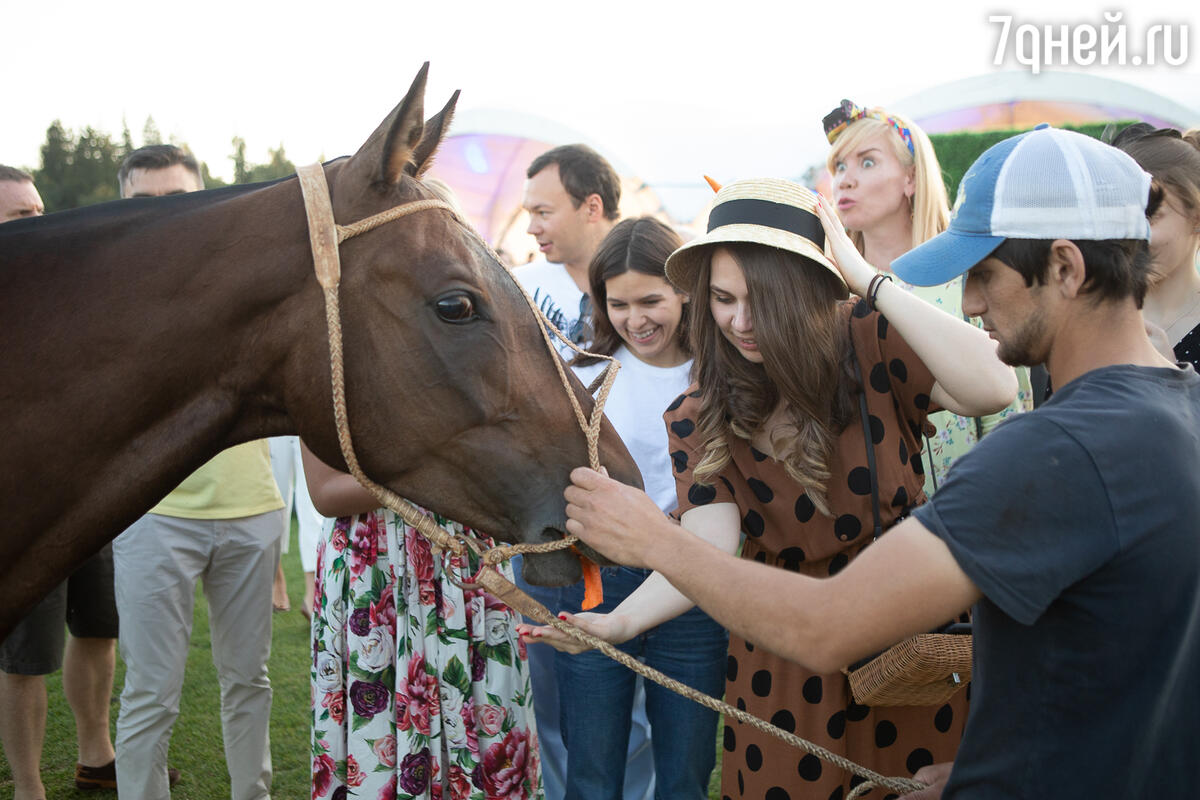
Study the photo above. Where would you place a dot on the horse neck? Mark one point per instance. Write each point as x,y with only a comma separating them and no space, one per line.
152,339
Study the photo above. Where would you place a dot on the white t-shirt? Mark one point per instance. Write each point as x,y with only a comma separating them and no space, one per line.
556,294
635,407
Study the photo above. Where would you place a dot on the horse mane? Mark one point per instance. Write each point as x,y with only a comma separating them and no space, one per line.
117,214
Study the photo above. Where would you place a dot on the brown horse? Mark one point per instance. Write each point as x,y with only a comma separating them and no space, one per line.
141,337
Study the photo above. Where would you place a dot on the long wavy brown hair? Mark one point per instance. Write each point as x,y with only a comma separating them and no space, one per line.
806,365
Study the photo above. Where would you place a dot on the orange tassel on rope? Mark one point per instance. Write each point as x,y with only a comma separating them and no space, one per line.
593,588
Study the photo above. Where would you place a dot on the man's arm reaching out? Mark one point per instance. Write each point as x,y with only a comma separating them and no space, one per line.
906,583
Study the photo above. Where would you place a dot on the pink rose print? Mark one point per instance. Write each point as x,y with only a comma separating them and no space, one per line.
417,697
323,768
338,541
385,750
460,783
336,703
383,613
354,774
388,792
420,559
365,552
490,718
505,767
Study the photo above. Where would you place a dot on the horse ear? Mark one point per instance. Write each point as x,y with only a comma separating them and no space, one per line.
435,128
386,153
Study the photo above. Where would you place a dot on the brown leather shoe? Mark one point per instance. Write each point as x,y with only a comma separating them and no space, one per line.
105,777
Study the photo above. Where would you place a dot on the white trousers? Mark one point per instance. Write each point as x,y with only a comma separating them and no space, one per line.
288,469
157,562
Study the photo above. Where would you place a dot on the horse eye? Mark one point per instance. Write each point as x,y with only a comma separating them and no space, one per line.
456,308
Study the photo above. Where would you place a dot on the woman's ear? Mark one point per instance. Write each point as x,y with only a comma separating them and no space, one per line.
910,182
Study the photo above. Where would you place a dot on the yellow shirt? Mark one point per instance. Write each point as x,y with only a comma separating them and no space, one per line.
235,483
956,435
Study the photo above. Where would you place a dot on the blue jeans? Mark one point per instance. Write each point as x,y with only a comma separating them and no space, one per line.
596,696
545,691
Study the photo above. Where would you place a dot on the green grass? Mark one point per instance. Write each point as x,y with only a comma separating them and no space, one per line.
196,747
196,742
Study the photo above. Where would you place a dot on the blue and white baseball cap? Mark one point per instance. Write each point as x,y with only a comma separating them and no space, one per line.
1047,183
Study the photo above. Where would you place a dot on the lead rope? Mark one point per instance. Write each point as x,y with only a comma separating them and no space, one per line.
325,235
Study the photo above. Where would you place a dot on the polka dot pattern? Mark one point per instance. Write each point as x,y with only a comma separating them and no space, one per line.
804,508
785,530
762,492
784,720
791,557
918,759
760,684
701,495
1188,349
859,480
810,768
683,428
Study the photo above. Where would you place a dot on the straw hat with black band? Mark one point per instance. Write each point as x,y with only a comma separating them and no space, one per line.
767,211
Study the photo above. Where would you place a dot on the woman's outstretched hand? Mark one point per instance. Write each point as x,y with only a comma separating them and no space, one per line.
854,268
609,627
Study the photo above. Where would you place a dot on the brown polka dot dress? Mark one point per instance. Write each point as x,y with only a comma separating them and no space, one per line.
783,528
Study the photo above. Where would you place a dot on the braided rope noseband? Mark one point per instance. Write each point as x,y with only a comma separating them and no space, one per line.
325,235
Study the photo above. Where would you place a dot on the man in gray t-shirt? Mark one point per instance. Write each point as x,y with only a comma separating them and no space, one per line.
1071,530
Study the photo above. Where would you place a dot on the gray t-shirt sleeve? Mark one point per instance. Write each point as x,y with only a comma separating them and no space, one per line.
1026,514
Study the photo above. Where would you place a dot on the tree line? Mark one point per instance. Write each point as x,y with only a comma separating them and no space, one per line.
81,169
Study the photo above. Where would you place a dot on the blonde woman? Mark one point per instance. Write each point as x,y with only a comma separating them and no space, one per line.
888,191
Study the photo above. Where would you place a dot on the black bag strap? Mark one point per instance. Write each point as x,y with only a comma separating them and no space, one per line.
870,443
862,409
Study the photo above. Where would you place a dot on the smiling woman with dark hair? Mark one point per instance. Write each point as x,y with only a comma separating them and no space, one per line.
641,319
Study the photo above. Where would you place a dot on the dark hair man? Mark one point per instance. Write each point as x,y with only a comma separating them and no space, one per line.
1071,529
222,525
572,196
159,169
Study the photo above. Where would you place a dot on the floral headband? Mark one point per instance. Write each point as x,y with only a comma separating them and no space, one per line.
847,112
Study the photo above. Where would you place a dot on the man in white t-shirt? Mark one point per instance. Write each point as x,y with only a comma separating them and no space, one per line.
572,197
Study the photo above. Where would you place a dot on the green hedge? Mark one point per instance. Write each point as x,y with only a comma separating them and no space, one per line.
957,151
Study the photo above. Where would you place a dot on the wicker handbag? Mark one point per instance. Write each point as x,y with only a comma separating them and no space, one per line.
924,670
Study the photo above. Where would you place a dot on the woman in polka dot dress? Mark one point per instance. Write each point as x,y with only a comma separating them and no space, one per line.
1173,300
770,442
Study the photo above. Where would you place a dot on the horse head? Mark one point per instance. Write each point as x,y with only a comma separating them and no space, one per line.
453,398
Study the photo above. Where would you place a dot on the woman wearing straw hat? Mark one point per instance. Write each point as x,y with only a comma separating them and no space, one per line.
771,441
888,191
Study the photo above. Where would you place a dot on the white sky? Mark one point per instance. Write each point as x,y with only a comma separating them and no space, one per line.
669,88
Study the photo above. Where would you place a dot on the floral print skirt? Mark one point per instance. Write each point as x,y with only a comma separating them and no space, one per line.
420,688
